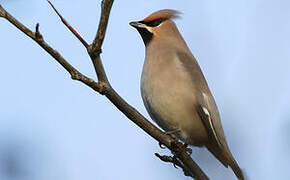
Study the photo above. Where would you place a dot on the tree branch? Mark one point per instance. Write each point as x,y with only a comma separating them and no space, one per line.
37,37
104,19
103,86
69,26
95,48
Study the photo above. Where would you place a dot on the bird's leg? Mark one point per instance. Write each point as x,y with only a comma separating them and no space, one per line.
172,131
183,147
172,134
180,146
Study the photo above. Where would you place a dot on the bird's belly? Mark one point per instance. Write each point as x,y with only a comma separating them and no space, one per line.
171,104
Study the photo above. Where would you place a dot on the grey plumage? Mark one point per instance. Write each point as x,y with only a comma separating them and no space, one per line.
174,90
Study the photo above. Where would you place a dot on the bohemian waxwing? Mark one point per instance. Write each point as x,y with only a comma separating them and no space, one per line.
174,90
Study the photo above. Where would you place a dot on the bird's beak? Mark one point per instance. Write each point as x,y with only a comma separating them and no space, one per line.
137,24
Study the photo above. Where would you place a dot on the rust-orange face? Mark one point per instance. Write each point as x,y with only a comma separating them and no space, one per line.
148,27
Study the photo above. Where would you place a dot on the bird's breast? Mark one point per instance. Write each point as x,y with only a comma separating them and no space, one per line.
168,95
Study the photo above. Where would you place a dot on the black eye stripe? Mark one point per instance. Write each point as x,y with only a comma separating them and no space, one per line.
154,23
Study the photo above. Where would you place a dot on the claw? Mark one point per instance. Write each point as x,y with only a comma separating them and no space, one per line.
162,146
175,162
188,150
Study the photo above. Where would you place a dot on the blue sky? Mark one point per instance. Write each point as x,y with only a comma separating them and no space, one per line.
54,128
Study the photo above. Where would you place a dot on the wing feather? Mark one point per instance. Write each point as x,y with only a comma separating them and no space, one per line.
205,99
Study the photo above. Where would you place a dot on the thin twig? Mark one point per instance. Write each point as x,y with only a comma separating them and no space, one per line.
38,36
104,19
69,26
95,48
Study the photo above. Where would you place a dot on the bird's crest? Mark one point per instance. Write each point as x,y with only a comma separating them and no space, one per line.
165,13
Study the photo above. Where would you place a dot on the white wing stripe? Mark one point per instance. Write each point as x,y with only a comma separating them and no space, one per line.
210,122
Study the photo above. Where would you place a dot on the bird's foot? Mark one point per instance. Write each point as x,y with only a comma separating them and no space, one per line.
187,149
172,134
175,161
172,159
182,148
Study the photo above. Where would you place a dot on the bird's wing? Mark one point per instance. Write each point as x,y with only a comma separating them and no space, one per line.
206,119
209,115
205,103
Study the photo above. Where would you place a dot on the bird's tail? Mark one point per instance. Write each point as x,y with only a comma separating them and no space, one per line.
237,170
226,158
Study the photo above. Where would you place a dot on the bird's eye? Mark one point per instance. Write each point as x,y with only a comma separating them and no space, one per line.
155,22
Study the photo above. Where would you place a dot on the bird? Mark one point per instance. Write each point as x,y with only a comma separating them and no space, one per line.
174,90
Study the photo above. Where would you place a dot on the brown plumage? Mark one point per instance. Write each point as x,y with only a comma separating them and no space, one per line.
174,90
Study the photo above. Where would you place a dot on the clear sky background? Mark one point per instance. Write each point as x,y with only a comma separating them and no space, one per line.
54,128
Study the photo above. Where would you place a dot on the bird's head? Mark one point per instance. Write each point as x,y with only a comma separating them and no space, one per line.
157,24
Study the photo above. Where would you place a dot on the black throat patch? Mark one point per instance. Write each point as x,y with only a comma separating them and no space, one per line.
146,35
